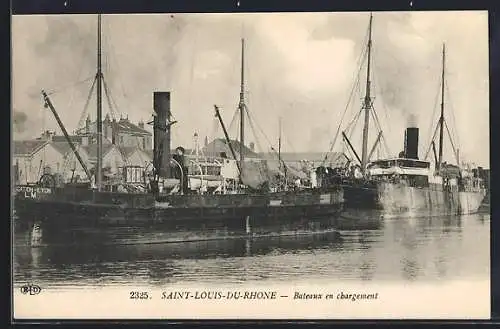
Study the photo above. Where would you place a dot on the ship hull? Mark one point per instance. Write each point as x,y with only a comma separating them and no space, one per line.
96,218
394,200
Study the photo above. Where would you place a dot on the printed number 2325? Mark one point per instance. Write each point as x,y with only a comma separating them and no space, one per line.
139,295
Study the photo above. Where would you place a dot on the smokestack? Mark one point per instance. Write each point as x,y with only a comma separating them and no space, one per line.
411,138
411,143
161,105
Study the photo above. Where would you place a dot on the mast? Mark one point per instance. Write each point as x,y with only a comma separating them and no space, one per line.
441,118
367,102
242,103
279,143
99,107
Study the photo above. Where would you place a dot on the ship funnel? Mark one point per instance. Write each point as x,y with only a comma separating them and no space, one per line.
161,124
411,143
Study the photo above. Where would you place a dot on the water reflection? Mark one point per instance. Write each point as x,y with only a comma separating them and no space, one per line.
415,249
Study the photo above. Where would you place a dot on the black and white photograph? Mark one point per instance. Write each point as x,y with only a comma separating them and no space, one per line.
326,165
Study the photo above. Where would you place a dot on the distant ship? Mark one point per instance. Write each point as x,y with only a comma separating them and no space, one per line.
404,185
241,205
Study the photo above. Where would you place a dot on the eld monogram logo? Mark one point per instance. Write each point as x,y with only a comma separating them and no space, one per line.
31,289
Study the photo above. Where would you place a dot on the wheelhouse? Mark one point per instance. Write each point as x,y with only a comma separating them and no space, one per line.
410,172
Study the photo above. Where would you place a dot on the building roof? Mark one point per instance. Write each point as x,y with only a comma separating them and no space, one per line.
92,149
123,125
220,145
62,139
28,147
127,151
63,147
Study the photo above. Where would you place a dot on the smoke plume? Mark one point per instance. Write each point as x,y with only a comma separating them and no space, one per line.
19,120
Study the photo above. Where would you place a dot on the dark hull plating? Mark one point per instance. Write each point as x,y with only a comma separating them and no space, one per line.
128,218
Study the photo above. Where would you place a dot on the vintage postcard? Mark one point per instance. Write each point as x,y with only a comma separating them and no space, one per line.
251,166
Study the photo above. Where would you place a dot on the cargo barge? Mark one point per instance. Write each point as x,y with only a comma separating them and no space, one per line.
243,206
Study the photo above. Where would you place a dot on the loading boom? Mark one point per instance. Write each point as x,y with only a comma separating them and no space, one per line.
48,104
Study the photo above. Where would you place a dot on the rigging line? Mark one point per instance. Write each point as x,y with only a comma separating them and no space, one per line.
432,140
262,132
356,84
65,87
379,128
233,120
284,137
214,131
253,130
86,105
383,139
377,122
451,141
350,127
357,80
116,63
107,71
273,150
434,112
378,84
115,105
72,97
255,136
110,101
108,98
454,121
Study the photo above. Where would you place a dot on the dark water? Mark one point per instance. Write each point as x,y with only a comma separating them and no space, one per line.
413,250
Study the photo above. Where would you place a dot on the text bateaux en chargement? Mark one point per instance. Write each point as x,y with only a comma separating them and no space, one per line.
215,295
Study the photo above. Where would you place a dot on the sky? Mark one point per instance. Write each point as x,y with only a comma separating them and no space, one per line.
298,66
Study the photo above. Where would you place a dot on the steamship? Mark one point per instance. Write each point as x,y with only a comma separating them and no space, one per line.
242,206
404,186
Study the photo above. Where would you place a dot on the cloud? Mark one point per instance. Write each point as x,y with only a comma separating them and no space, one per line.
298,66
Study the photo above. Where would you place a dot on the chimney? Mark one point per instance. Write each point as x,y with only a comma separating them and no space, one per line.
161,149
107,127
411,143
87,124
206,140
47,135
252,146
141,124
114,131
